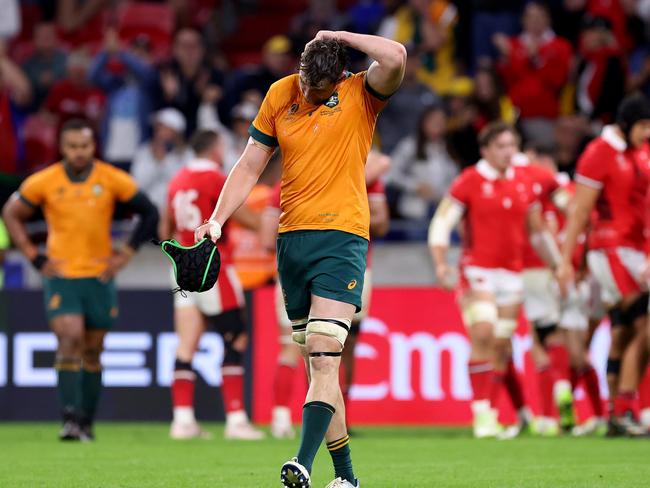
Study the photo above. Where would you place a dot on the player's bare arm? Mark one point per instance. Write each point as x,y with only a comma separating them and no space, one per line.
15,213
238,186
541,238
389,58
145,229
447,216
579,211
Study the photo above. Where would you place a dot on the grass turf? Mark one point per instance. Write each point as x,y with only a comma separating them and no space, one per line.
141,455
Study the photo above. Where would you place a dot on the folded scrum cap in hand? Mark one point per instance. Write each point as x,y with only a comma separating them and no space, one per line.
196,268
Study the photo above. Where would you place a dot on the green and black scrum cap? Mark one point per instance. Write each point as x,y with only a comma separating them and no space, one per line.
196,268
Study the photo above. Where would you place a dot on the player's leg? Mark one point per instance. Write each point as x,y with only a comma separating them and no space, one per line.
323,344
100,310
232,327
581,302
346,375
189,325
64,309
479,316
331,265
91,380
69,331
541,307
509,297
281,422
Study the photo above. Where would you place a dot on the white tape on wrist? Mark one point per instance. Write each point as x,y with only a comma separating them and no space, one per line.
214,229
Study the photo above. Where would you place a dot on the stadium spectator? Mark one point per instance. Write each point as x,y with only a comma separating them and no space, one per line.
236,139
427,27
572,132
320,15
490,100
74,96
128,78
601,71
277,62
185,79
157,161
489,18
400,117
365,16
422,168
535,67
15,91
463,120
46,65
10,19
81,22
614,11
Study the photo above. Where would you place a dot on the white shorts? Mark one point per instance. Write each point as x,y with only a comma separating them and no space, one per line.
227,294
541,296
618,271
506,286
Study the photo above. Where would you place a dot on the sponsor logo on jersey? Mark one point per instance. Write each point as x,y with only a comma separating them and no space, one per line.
487,189
97,189
332,101
293,109
352,285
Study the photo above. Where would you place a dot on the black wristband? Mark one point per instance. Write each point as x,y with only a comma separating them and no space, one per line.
39,261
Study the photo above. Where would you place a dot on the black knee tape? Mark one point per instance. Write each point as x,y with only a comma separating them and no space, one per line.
638,308
324,354
231,326
615,316
182,365
613,366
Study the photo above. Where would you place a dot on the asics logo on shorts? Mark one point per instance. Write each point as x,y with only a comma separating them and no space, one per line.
352,285
55,302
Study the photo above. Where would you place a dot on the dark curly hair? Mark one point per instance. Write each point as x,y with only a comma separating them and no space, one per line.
323,60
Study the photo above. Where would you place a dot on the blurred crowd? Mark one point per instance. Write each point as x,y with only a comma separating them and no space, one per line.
148,74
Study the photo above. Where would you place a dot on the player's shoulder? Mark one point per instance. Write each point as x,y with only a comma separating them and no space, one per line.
284,88
47,174
110,170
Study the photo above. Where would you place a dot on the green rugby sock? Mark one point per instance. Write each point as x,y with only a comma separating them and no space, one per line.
69,384
91,388
340,452
316,417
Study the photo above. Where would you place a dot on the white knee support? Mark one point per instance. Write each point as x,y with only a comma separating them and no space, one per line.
337,328
480,311
298,330
504,328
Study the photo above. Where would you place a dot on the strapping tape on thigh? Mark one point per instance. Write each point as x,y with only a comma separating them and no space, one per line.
504,328
324,354
336,328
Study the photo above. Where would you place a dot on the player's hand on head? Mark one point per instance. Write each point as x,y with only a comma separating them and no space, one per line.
210,229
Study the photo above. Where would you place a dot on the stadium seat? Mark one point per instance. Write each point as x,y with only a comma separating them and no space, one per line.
151,19
39,134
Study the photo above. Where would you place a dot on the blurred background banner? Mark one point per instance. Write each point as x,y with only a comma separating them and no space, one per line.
411,361
138,361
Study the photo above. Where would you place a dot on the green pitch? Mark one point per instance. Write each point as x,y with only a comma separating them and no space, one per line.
141,455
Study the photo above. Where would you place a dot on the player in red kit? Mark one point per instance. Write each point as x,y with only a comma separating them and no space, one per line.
192,195
499,212
610,180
